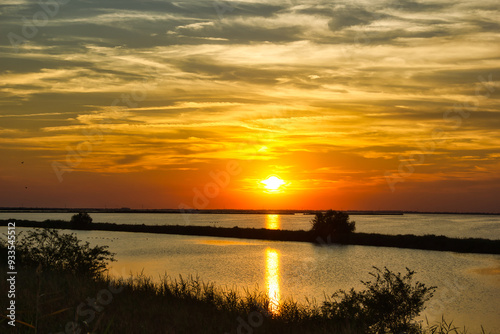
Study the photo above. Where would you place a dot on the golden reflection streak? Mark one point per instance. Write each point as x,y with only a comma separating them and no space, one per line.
273,279
273,222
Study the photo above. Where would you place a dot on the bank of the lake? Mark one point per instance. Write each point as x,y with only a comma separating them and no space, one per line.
426,242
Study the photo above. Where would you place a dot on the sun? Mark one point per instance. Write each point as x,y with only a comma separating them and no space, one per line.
273,183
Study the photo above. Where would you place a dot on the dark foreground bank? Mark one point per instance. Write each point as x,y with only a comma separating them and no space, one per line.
426,242
62,302
60,285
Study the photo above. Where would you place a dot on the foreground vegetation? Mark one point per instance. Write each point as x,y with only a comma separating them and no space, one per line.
62,287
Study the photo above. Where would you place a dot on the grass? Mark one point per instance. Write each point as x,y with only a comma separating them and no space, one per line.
50,302
444,327
138,305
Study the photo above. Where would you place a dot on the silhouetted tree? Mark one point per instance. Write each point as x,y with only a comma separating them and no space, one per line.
332,223
81,220
388,304
62,252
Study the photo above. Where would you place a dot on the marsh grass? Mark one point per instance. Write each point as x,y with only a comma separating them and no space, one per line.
173,305
445,327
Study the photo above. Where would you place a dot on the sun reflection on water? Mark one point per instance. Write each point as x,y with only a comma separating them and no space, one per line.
273,222
273,279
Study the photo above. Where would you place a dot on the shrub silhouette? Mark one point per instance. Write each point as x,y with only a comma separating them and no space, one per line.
81,220
332,223
62,252
389,303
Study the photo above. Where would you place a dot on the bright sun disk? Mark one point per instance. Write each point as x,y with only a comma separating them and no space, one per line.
273,183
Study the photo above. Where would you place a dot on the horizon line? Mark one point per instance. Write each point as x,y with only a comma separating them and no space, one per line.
268,211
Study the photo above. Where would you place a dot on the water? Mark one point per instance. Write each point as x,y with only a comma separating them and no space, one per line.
468,284
464,226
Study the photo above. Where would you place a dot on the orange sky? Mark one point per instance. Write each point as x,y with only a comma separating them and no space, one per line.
355,105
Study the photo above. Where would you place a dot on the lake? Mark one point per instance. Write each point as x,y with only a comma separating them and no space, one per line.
468,284
461,226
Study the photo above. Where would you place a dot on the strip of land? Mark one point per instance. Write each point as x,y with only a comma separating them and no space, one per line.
192,211
426,242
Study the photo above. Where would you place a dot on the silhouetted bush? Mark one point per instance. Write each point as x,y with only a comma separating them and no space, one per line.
81,220
61,252
389,303
332,223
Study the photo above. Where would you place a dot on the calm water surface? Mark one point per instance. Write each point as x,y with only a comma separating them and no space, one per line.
468,284
476,226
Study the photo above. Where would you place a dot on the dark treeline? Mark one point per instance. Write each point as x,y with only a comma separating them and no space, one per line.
194,211
426,242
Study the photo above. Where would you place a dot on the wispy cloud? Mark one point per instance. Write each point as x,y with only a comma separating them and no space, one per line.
338,90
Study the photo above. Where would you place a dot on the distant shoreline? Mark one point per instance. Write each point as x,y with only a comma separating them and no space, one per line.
229,211
426,242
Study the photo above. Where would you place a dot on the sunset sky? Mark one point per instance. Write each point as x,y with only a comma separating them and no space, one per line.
363,105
